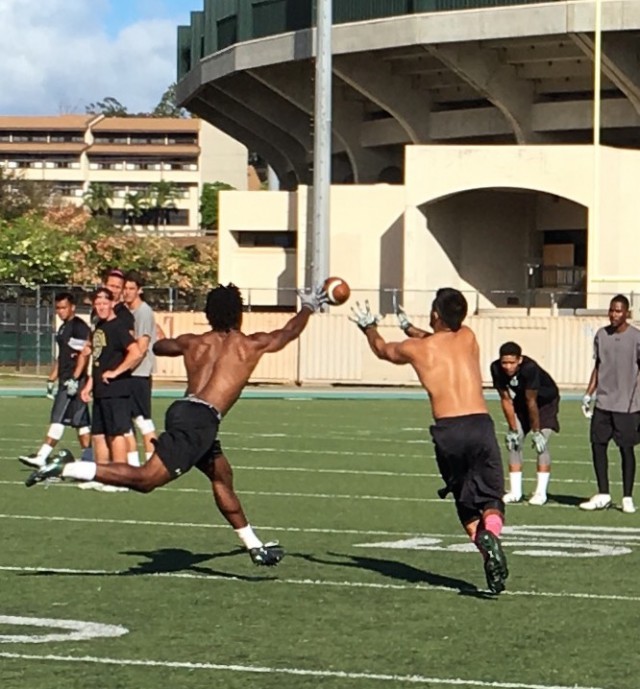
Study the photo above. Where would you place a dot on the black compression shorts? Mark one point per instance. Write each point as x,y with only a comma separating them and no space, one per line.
470,464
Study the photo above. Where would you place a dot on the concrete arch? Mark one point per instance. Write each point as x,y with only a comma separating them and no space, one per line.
494,241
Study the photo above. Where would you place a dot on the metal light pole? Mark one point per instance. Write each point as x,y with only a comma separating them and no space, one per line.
594,221
322,145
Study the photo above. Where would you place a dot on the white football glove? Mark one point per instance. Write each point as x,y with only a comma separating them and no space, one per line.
313,299
512,439
403,320
538,442
50,394
362,316
586,406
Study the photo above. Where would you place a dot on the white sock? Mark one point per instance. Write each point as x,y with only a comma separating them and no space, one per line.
515,480
148,455
45,451
543,482
248,537
82,471
133,458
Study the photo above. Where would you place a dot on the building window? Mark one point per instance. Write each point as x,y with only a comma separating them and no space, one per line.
271,238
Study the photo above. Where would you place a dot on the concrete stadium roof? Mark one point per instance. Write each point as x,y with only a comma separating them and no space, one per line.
516,74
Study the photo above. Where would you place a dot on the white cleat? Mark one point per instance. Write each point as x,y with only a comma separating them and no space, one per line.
600,501
34,461
510,498
627,506
538,499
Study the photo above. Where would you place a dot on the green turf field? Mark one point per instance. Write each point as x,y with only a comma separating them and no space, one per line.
378,589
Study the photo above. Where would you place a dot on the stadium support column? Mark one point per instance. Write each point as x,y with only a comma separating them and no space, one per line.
322,147
593,240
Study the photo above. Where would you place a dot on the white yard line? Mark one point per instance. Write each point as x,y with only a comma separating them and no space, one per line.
322,496
422,588
299,672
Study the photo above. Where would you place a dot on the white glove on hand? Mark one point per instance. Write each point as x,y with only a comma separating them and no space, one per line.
363,317
50,385
313,300
71,386
403,320
538,442
512,440
586,406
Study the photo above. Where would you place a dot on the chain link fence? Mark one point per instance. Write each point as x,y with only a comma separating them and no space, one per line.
28,318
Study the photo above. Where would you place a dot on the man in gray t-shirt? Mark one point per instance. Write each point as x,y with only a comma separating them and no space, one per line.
145,334
616,413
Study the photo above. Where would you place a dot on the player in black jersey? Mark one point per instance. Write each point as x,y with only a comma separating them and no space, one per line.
530,399
115,353
68,409
113,280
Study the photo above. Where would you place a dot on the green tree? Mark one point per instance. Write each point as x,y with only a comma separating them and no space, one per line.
209,203
168,105
98,198
19,196
109,107
136,206
162,200
32,252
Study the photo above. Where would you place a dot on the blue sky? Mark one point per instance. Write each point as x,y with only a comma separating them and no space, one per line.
57,56
121,13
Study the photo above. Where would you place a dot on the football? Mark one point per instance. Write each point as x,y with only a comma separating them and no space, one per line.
337,290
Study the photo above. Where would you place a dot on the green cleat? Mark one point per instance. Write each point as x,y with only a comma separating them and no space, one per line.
52,471
495,562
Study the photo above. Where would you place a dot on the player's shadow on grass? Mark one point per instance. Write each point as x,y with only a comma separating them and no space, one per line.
400,571
169,561
570,500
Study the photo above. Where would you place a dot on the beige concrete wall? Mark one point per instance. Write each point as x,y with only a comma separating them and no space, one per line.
222,159
332,349
571,172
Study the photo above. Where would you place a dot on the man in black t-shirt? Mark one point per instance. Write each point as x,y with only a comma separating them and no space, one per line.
115,353
68,409
113,280
529,398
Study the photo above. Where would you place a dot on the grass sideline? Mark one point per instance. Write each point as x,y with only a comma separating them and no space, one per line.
378,588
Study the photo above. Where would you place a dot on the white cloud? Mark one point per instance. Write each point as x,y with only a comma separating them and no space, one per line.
56,56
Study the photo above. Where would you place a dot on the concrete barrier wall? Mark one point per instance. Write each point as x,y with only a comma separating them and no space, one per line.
332,350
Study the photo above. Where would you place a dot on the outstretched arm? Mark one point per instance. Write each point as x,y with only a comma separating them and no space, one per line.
168,346
279,339
395,352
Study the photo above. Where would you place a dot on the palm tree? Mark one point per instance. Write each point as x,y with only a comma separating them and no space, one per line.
136,207
98,198
162,196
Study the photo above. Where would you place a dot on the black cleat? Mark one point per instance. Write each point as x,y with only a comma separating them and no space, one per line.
52,471
495,562
267,555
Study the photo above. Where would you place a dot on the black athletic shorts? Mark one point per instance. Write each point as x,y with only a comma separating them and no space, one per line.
111,416
548,414
69,411
189,438
620,427
470,464
140,396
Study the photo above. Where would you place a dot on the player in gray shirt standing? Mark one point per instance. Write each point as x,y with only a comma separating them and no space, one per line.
616,413
145,334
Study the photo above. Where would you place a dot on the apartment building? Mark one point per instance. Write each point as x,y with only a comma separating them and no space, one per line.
128,154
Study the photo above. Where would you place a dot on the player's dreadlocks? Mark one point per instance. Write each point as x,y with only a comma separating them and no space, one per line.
224,307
